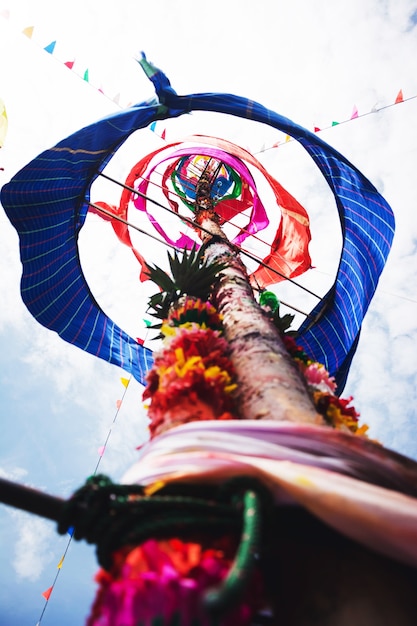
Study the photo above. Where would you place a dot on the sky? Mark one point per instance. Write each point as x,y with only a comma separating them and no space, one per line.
314,62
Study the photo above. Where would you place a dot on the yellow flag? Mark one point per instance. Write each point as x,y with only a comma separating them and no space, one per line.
60,562
125,381
28,31
3,123
287,138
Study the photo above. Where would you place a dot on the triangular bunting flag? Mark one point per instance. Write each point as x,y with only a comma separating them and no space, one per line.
147,323
47,594
140,341
125,382
116,98
3,122
355,113
101,450
50,47
400,97
60,562
163,134
317,129
28,31
276,145
287,138
69,64
152,127
118,404
86,75
335,123
70,531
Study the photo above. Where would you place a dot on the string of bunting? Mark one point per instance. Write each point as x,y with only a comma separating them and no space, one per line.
101,450
50,48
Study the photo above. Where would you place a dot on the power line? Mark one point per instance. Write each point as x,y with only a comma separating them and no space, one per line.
191,222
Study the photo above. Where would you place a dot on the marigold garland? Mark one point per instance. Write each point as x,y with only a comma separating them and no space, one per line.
336,411
192,378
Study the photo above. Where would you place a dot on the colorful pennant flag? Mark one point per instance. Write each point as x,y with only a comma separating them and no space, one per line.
47,594
400,97
69,64
3,122
118,404
148,323
355,113
152,127
50,47
335,123
61,562
125,381
101,450
85,77
28,31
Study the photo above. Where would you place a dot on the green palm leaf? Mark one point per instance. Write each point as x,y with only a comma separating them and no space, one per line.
191,275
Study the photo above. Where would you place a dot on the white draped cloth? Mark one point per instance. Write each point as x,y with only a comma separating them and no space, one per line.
362,490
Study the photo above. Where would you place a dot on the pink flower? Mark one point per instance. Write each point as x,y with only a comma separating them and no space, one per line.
317,376
164,578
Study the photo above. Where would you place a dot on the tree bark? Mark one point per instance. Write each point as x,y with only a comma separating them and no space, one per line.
270,385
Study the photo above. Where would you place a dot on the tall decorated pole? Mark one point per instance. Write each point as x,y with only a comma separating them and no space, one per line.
258,498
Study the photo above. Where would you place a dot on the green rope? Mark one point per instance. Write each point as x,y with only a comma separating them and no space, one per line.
233,587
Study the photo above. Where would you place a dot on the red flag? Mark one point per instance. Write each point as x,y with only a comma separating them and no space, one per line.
400,97
317,129
163,134
69,64
47,594
140,341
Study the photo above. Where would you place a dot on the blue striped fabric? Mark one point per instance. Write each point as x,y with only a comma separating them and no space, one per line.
46,202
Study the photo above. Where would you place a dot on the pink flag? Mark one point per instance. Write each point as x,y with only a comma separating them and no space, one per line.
47,594
354,113
400,97
101,450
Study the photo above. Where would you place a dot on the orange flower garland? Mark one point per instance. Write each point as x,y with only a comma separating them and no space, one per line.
336,411
192,378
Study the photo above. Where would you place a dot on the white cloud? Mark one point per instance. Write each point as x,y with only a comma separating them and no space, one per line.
32,551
